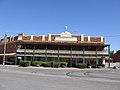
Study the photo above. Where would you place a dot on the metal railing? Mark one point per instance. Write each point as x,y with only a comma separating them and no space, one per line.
61,51
63,56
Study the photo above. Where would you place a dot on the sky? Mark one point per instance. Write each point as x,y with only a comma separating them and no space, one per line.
38,17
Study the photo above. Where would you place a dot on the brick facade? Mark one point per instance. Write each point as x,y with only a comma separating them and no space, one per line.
64,46
116,56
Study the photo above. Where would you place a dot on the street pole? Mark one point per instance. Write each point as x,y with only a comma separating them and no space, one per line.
109,56
4,48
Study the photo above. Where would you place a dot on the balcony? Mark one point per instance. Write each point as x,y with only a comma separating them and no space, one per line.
62,51
61,56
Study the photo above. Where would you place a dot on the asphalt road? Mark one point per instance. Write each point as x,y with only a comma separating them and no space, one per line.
18,78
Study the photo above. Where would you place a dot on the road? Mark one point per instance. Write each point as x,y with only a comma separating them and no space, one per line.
18,78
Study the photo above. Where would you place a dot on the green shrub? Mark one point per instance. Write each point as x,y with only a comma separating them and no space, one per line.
63,64
24,63
55,64
42,63
51,64
46,64
81,65
37,63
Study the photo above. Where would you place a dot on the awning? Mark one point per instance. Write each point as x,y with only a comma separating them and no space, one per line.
8,54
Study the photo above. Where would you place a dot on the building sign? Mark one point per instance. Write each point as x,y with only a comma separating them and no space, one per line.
65,36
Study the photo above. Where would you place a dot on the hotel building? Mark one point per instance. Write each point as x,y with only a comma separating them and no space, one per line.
64,47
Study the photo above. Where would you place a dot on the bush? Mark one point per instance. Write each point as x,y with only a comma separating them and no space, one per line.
81,65
55,64
46,64
24,63
51,64
63,64
37,63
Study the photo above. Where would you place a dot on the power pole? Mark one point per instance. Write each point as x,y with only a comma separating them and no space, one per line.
5,37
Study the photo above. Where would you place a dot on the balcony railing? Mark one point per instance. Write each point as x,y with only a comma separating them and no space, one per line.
62,51
62,56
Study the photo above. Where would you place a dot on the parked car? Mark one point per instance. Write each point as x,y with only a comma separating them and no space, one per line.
8,62
118,64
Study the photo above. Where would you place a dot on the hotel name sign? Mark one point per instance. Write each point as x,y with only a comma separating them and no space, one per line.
65,36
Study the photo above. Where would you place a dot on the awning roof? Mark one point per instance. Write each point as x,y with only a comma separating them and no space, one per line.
8,54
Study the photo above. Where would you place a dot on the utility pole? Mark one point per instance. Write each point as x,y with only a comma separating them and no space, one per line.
109,56
5,37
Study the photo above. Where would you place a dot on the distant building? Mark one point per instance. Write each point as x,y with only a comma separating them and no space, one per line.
64,47
116,57
115,60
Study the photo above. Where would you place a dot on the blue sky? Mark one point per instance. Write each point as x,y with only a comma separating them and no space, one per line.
37,17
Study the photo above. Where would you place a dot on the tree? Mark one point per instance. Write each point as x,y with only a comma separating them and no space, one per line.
111,53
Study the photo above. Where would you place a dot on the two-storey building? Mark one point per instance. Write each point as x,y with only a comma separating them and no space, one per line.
67,47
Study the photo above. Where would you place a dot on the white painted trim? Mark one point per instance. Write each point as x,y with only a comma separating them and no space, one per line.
13,38
19,38
31,37
88,38
49,37
43,37
102,39
82,37
8,54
